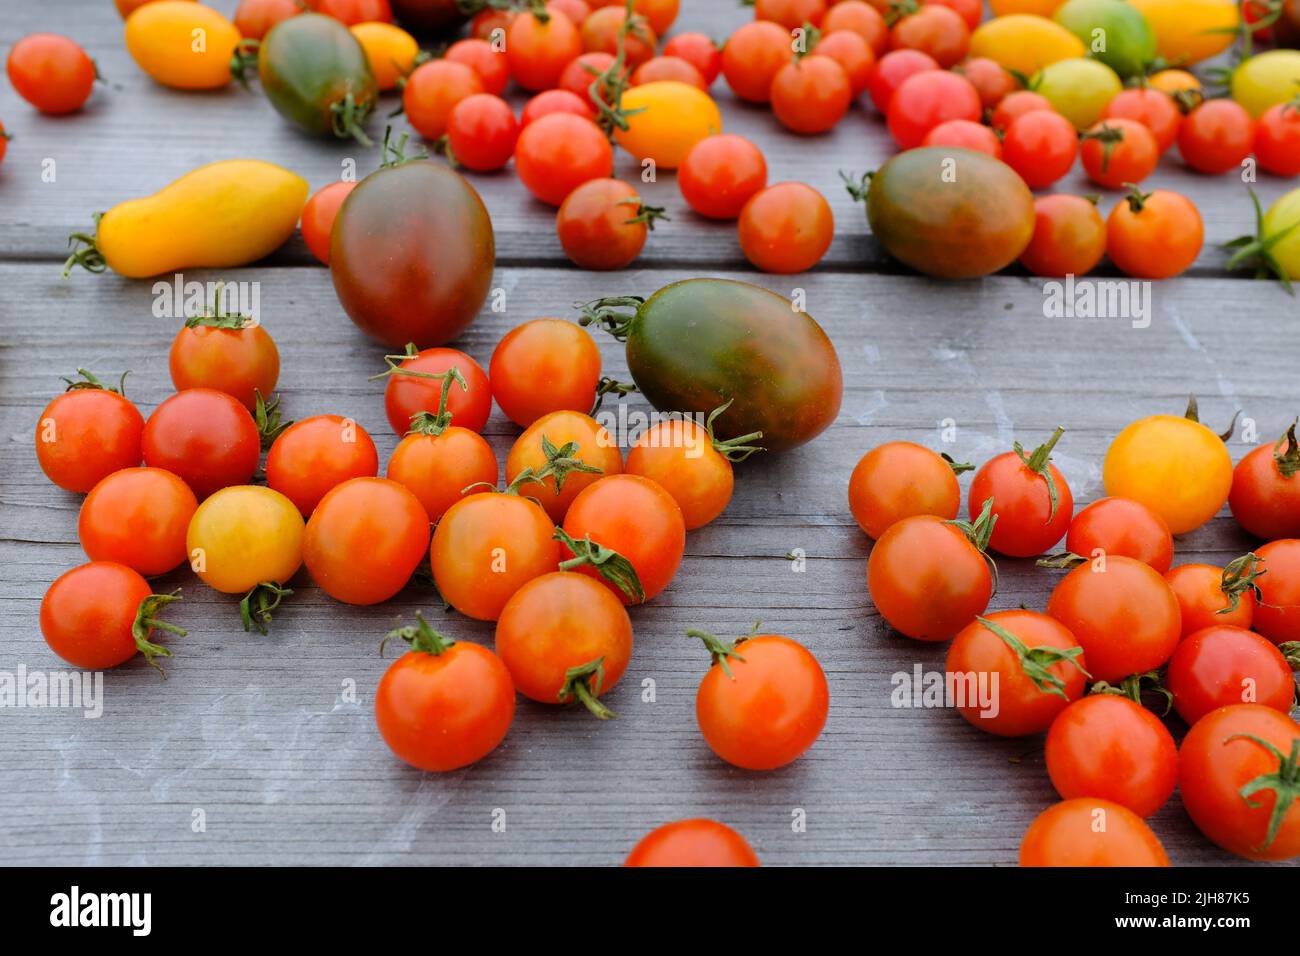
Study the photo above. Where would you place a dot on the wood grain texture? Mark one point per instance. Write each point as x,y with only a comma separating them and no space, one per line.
263,734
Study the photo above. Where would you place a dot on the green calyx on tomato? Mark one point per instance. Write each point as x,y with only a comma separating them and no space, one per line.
1239,578
146,619
610,386
733,449
244,60
266,414
257,605
1109,137
421,636
1284,782
1037,662
87,380
719,650
426,423
85,250
608,86
215,316
645,214
1193,414
562,461
1258,250
394,154
611,565
1037,462
958,467
978,533
584,683
1286,454
1135,686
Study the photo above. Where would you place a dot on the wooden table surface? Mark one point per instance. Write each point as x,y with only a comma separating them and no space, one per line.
270,744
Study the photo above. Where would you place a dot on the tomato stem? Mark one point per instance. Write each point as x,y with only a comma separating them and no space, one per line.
146,620
1288,458
89,381
644,213
421,636
348,116
720,650
435,423
1284,782
607,87
584,682
215,316
267,416
1038,462
610,386
1064,561
978,533
1193,414
1133,688
85,252
256,607
733,449
1239,578
958,467
858,186
1258,249
562,461
608,314
611,565
1037,662
244,59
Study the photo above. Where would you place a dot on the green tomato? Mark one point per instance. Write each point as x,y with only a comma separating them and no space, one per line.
1115,32
1078,89
316,75
1266,80
1284,215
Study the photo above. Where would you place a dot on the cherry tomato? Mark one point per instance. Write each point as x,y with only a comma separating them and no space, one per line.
1221,665
660,14
1278,615
853,54
603,224
563,637
1034,665
443,704
1069,237
416,382
575,10
350,12
1118,151
791,14
1040,145
1180,84
1237,774
965,134
928,577
205,437
1088,831
558,153
1209,596
432,90
692,843
899,480
668,68
571,449
51,72
581,73
1015,105
860,18
486,547
1125,617
1174,465
228,353
390,51
720,174
491,25
491,65
891,70
752,57
137,517
253,18
1154,235
1031,499
544,366
481,132
665,120
934,29
993,82
1216,136
555,101
318,218
925,100
786,228
699,50
437,463
971,11
1154,109
1121,526
600,35
1277,139
1108,747
365,539
314,455
87,433
811,94
635,518
1265,496
101,614
764,701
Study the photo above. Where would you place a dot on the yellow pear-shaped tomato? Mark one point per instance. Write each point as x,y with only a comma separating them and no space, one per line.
1041,8
1267,79
1175,466
672,118
183,45
1189,31
390,50
1078,88
1024,42
228,213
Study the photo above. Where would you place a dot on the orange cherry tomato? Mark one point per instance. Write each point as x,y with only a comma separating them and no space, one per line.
692,843
51,72
860,18
1209,596
137,517
990,78
1088,831
1069,236
416,382
229,353
901,479
764,701
350,12
253,18
563,637
720,174
1031,500
1154,235
538,51
966,134
485,26
1123,527
599,34
555,101
1015,105
572,449
432,90
1216,136
205,437
811,94
933,29
437,466
312,456
490,64
699,50
603,224
1222,665
1278,615
791,14
1265,496
1154,109
544,366
558,153
660,14
1118,151
786,228
365,539
853,54
86,434
752,57
668,68
318,217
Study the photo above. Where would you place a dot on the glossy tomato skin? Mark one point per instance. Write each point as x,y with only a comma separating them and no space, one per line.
1158,241
1178,468
1277,140
407,395
668,69
543,366
1020,706
205,437
481,132
309,63
679,456
692,843
538,51
898,480
314,455
769,710
1040,146
861,18
432,91
244,536
1216,136
318,217
51,72
1264,500
720,174
412,254
992,81
791,14
699,50
86,434
961,229
934,29
555,101
558,153
1088,831
890,72
480,56
1221,665
1121,526
853,54
1278,615
253,18
1202,601
926,578
438,468
1154,109
810,95
137,517
1130,159
1108,747
1126,617
1015,105
748,345
486,547
595,448
598,225
1213,768
242,363
786,228
966,134
365,539
925,100
440,712
752,57
1027,524
1069,237
666,119
88,612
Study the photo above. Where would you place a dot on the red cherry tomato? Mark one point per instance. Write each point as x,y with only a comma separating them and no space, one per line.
51,72
230,353
965,134
934,29
811,94
720,174
253,18
791,14
1277,139
350,12
555,101
205,437
1209,596
925,100
1222,665
538,51
752,57
600,34
575,10
891,70
971,11
603,224
899,480
485,25
1031,499
416,382
437,463
431,91
1040,145
1088,831
1265,497
137,517
581,73
699,50
1121,527
86,434
314,455
692,843
1118,151
558,153
484,59
851,52
670,68
1278,615
1015,105
318,217
1154,109
481,132
860,18
786,228
993,82
544,366
1216,136
1069,236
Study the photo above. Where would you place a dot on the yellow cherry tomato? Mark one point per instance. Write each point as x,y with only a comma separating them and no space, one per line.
390,50
183,45
1024,42
1041,8
1284,217
673,117
1175,83
1175,466
243,536
1078,88
1189,31
228,213
1267,79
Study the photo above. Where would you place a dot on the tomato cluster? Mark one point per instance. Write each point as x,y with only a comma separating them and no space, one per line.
1121,630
